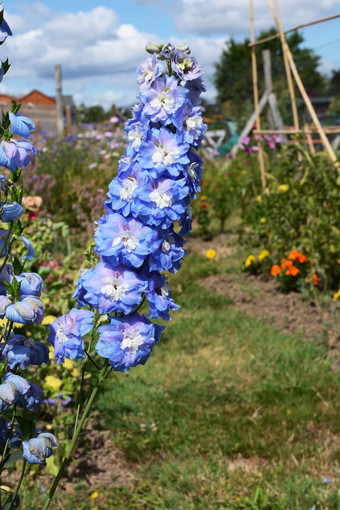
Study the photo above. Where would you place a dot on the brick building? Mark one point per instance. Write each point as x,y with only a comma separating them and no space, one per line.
39,107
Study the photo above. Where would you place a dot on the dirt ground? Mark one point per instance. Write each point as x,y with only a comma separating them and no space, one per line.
263,299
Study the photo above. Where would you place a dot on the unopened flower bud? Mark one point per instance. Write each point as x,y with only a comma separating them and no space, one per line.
152,47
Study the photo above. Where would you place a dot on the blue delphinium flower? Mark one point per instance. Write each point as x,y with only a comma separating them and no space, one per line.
4,30
67,332
110,288
37,449
128,342
21,351
15,154
11,212
29,310
17,390
21,125
31,284
137,239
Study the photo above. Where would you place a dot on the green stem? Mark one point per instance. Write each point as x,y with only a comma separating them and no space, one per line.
102,376
19,484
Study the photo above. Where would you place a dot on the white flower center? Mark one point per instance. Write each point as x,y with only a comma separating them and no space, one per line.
113,288
163,100
161,199
166,155
148,75
166,246
132,340
194,122
61,335
129,185
135,136
129,240
192,171
165,290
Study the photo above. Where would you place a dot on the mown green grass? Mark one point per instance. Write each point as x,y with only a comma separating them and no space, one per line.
228,413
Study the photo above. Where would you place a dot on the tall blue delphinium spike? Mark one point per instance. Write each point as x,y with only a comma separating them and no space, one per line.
148,211
19,296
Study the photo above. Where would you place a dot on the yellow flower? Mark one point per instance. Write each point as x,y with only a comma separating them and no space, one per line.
270,234
68,364
48,319
336,295
263,221
283,188
94,495
211,254
51,351
263,255
75,372
259,199
53,382
249,260
4,322
338,261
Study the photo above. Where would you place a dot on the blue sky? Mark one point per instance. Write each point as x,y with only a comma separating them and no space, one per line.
100,43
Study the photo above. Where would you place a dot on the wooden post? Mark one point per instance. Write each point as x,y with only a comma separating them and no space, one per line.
68,119
60,113
277,20
256,95
303,92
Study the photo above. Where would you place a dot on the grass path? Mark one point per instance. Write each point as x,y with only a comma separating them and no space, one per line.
227,413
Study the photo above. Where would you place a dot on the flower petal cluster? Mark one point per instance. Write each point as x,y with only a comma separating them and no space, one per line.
137,238
67,332
22,352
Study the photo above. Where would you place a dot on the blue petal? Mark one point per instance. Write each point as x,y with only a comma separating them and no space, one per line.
29,247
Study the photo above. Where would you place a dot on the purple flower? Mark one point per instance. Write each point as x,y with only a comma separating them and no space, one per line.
110,288
128,342
66,334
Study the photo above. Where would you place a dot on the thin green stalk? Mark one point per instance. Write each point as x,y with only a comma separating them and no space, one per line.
24,462
102,376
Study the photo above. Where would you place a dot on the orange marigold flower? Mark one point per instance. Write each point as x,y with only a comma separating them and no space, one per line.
294,254
286,263
302,258
307,280
292,271
203,198
204,206
275,270
315,279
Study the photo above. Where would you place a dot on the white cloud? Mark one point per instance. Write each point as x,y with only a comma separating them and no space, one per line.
89,46
231,17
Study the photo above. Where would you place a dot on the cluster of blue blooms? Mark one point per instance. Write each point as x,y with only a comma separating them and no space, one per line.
147,214
19,292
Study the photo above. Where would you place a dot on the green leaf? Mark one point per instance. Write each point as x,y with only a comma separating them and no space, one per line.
12,458
18,269
16,288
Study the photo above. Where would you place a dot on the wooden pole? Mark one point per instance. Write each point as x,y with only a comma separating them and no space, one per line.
277,20
276,36
303,92
256,95
60,113
68,119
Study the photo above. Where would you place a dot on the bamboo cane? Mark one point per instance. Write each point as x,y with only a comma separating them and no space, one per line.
277,20
256,95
